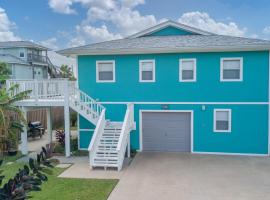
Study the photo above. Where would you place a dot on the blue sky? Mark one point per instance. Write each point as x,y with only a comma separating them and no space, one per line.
65,23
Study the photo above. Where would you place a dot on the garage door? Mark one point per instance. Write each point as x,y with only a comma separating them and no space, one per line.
166,131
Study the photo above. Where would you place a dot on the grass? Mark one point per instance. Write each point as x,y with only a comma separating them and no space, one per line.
67,188
8,158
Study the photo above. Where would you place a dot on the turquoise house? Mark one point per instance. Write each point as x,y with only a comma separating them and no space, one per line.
192,91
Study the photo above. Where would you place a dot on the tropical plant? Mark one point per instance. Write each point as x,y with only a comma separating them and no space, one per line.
66,72
11,117
27,179
60,137
73,118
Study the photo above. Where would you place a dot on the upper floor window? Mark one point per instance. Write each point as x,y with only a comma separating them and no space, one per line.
105,71
222,120
147,71
231,69
187,70
21,54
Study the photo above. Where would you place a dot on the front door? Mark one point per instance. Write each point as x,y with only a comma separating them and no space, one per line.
38,73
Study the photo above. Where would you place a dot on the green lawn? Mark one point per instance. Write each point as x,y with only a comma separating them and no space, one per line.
65,188
7,158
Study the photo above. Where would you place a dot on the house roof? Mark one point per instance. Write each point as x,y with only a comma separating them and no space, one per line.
167,24
8,58
25,44
169,44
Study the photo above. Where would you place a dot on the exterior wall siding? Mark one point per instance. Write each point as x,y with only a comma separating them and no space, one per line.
249,122
170,31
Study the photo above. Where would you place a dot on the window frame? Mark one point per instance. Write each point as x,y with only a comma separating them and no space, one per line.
222,68
181,69
153,71
97,71
229,122
23,54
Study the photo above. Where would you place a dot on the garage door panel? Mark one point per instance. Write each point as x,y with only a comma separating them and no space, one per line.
166,131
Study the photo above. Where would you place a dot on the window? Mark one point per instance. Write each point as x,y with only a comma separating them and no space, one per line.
21,54
105,71
231,69
187,70
222,120
10,69
147,71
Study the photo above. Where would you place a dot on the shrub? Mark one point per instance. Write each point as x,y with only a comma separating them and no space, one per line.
60,137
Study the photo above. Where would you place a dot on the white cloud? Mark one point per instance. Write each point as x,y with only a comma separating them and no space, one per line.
65,6
266,30
62,6
88,33
203,21
132,3
50,43
6,27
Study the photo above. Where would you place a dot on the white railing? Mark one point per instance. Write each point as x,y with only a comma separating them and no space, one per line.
124,138
85,102
96,137
43,89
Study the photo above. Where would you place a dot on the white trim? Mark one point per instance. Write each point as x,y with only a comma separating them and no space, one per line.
186,103
230,154
153,71
167,111
181,69
97,74
229,120
86,130
130,51
269,106
167,24
222,65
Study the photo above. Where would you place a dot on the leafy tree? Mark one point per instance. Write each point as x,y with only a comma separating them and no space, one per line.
11,117
66,72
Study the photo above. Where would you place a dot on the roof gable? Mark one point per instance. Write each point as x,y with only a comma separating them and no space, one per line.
170,28
168,31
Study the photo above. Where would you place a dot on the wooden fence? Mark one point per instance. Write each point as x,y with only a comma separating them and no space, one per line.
40,115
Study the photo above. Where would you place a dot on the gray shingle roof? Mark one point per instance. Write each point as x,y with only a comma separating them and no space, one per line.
167,43
27,44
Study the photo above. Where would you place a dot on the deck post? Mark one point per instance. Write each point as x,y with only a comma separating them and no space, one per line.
128,146
67,121
24,145
49,124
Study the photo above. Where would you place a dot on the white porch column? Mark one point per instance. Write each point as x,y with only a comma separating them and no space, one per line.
67,131
49,124
24,145
67,120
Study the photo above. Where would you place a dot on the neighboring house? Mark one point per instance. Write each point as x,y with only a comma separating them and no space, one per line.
187,90
27,60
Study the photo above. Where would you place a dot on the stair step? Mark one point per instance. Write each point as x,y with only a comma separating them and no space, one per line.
103,156
97,164
105,159
106,151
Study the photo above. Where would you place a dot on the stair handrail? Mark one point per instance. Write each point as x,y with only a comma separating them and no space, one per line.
96,136
86,100
127,126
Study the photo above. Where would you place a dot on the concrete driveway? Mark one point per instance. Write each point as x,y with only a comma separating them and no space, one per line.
166,176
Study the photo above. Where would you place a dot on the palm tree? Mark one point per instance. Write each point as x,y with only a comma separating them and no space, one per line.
66,72
11,117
